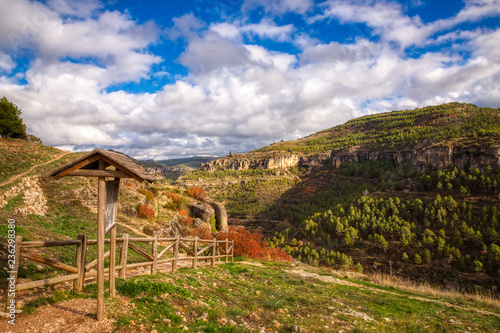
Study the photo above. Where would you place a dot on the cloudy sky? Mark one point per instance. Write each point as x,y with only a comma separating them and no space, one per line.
163,79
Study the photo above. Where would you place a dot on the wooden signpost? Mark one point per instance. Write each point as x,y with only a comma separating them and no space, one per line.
102,163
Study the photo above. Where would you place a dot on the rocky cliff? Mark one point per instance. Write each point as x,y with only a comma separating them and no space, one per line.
438,156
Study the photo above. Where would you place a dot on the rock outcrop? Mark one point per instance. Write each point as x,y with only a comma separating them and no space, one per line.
438,156
203,211
220,215
34,201
275,162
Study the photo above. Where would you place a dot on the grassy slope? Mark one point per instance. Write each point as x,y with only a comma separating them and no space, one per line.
278,297
323,189
17,156
443,123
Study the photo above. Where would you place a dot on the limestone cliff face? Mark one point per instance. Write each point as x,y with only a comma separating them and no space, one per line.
438,157
275,162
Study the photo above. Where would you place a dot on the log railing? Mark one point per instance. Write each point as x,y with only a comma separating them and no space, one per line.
181,249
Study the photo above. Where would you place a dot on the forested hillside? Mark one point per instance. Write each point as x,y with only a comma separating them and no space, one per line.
438,223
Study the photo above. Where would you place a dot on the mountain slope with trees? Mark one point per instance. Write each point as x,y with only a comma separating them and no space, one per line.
368,205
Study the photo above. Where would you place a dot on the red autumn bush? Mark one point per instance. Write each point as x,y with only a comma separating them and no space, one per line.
174,196
252,245
197,193
200,232
145,212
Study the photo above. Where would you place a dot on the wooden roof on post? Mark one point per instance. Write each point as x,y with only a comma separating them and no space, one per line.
88,166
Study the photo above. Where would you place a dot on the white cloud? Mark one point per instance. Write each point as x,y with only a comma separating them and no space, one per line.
186,26
6,62
279,7
238,95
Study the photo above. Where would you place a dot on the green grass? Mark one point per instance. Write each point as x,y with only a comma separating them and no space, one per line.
230,295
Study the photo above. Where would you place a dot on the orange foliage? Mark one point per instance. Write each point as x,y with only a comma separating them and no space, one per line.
145,212
197,192
200,232
183,212
252,245
174,196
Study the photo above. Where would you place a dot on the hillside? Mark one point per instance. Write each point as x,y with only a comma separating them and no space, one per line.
415,192
460,134
283,297
255,296
174,168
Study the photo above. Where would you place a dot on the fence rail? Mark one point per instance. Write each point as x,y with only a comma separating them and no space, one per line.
182,249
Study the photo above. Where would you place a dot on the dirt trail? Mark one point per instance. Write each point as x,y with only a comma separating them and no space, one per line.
331,279
16,177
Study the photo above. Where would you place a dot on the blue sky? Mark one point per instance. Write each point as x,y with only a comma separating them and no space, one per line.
164,79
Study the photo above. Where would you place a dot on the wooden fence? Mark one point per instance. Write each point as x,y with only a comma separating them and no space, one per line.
182,249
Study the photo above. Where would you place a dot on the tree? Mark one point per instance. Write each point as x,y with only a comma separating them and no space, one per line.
11,124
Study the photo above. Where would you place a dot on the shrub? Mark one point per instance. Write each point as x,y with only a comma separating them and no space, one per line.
150,197
201,232
145,212
197,193
252,245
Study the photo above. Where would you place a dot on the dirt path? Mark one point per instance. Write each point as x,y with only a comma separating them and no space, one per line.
331,279
16,177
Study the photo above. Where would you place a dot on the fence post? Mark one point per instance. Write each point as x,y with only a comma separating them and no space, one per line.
112,262
195,250
232,251
123,257
81,255
10,302
154,254
214,251
227,248
176,254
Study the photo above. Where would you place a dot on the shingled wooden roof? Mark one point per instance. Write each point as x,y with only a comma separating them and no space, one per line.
88,165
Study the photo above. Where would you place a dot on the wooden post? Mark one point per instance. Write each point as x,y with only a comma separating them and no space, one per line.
195,250
10,302
227,248
81,255
101,215
232,251
123,257
112,261
154,254
214,251
176,254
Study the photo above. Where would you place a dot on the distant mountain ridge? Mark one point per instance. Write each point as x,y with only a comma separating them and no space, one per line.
450,134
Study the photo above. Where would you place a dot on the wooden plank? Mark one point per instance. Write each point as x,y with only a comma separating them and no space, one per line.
227,253
154,254
101,214
195,250
97,173
204,249
93,263
214,251
141,240
176,254
10,301
140,264
32,244
128,170
166,249
81,255
123,256
112,259
141,252
45,282
85,162
188,250
50,262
